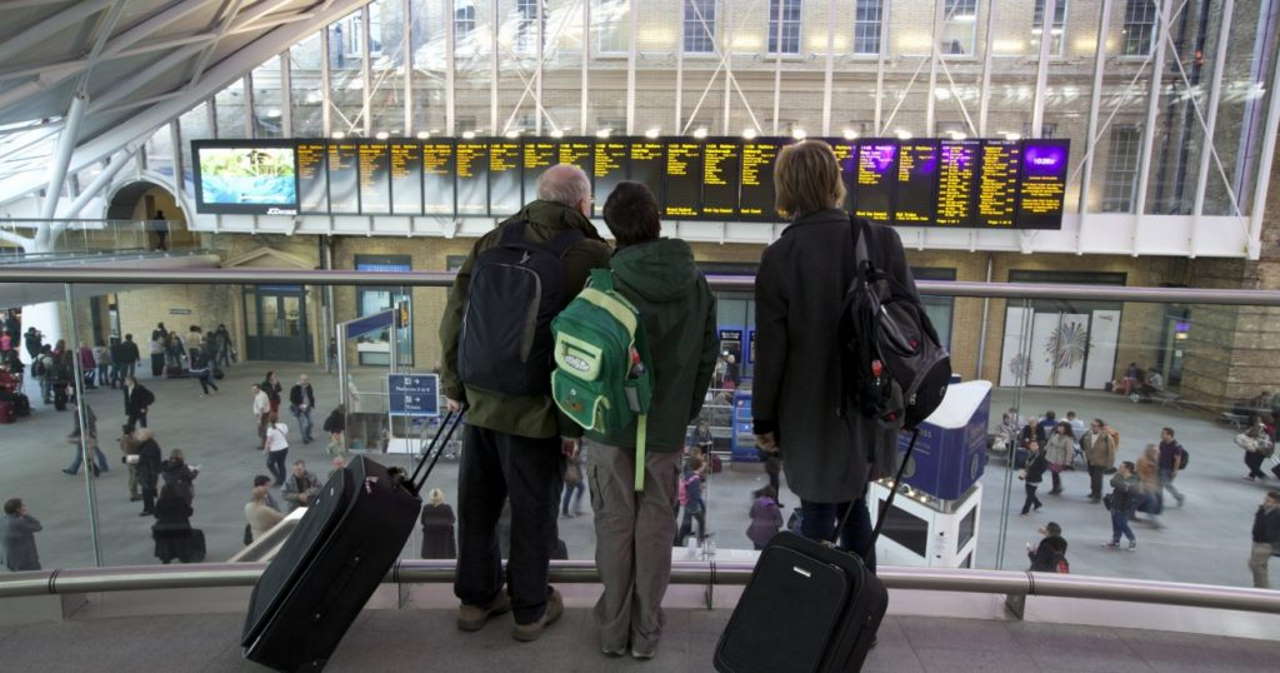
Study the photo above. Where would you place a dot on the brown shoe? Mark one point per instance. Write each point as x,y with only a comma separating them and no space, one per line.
474,617
532,631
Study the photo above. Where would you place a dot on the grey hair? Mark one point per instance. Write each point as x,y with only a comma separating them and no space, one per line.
564,183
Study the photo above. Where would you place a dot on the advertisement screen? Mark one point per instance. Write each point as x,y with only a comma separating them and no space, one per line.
251,179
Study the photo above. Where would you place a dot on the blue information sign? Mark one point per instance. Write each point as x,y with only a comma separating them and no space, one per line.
744,439
414,395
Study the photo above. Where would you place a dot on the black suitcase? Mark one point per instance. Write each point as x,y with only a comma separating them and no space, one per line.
333,561
820,606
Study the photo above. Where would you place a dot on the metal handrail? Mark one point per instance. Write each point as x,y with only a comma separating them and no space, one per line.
703,573
253,276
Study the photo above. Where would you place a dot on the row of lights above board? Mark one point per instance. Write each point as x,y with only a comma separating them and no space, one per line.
700,132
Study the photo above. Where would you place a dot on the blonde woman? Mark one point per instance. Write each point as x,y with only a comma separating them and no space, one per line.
800,286
437,528
261,516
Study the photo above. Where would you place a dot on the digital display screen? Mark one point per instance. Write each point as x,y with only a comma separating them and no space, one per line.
957,182
917,183
609,167
406,178
756,201
313,178
538,156
504,178
438,178
472,162
967,526
344,178
998,183
846,152
252,178
873,185
375,179
576,151
721,175
906,529
1042,184
647,164
684,179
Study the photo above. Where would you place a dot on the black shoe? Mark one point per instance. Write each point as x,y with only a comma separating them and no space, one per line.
135,498
146,512
70,472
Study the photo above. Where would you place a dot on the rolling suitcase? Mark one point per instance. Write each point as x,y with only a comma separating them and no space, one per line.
820,606
333,561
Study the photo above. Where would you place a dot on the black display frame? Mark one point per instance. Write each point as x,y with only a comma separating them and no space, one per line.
243,208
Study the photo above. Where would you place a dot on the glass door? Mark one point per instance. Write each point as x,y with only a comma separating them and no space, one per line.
276,324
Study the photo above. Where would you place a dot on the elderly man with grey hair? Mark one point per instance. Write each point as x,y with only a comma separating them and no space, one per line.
499,366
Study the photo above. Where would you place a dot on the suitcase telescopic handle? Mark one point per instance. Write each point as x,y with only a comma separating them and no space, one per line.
446,429
888,502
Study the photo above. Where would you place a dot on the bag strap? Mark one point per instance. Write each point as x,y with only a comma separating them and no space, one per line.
415,484
642,419
513,232
601,279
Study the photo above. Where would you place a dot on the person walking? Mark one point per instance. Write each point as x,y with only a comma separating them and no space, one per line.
512,441
19,537
63,374
1123,499
1152,498
1172,459
1266,539
91,438
276,445
800,285
1100,444
202,370
689,495
575,468
157,354
766,517
1050,555
34,341
300,487
261,411
137,400
129,444
437,528
302,399
88,367
1058,451
102,362
222,346
150,465
336,424
42,368
272,386
128,363
1032,475
260,514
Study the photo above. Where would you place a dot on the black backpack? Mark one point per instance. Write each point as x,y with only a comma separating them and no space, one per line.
895,369
516,289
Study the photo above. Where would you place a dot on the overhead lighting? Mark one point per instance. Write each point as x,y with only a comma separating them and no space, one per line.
850,134
273,113
339,135
653,132
468,134
957,135
513,134
1010,135
749,134
382,135
557,133
604,132
903,134
423,135
700,132
799,133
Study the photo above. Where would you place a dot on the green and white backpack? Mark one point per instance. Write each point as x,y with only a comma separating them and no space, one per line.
602,379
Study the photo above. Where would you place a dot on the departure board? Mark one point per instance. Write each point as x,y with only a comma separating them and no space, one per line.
576,151
756,201
917,183
721,176
846,152
1042,183
375,179
471,158
438,178
344,178
647,163
538,155
998,183
504,177
406,178
874,181
957,182
313,177
684,179
609,167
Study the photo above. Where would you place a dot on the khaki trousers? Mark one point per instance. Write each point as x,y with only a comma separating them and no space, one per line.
633,543
1258,564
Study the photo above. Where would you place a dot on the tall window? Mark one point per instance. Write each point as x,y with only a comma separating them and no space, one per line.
610,20
789,11
1059,25
464,21
959,27
867,15
699,26
1122,169
1139,27
527,25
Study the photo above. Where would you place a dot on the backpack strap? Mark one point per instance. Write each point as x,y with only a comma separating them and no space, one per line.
642,419
601,279
513,232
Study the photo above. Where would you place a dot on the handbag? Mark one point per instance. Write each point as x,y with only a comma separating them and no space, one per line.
1108,501
572,474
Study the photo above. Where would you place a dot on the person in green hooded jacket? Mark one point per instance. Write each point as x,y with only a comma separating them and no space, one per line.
634,530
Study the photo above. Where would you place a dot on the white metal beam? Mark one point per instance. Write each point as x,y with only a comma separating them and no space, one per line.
540,54
1215,96
406,60
930,105
1153,108
828,71
494,73
34,35
1263,179
58,167
633,14
586,69
286,94
221,30
1042,67
366,71
326,84
1095,104
450,46
984,88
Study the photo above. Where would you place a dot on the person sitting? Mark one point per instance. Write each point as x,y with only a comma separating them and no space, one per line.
300,487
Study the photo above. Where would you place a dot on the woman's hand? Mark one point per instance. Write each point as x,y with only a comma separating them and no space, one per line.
767,441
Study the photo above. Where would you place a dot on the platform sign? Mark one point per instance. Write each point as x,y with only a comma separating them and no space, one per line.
414,395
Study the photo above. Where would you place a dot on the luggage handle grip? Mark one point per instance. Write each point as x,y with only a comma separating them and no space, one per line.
415,485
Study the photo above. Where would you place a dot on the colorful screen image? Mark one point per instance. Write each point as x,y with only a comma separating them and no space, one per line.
248,175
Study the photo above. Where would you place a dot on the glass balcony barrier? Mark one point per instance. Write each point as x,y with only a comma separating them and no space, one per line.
33,241
1172,381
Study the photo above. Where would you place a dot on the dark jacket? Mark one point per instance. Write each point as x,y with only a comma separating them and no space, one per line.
678,312
766,521
800,289
150,464
138,401
1125,493
129,351
527,416
34,343
1045,556
300,394
1170,455
693,492
20,542
1036,465
272,390
335,422
173,513
1266,527
437,532
180,476
1027,435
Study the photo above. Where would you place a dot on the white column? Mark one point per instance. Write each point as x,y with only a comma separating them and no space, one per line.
1153,107
829,70
1042,67
1211,120
586,66
450,44
538,108
727,41
1264,168
679,107
884,46
777,64
406,58
1095,103
494,72
366,71
984,89
633,14
939,7
58,167
326,85
286,95
250,129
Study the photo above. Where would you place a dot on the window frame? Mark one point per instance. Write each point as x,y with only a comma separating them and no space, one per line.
1037,19
777,7
707,27
878,23
972,51
1130,11
463,16
600,29
1129,172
